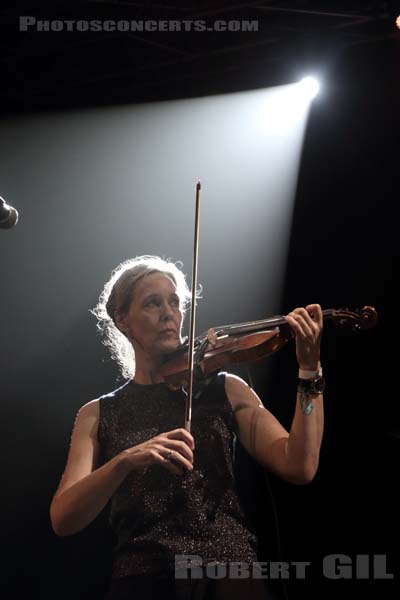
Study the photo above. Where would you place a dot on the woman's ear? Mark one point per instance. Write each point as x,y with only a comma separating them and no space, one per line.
120,322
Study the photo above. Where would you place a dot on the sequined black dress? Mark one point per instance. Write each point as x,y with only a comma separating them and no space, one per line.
157,515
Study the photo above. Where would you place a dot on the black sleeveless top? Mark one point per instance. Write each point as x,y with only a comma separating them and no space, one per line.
156,514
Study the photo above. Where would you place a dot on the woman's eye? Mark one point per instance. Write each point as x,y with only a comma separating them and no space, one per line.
151,303
154,302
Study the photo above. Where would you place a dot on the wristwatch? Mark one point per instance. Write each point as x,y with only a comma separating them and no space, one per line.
311,386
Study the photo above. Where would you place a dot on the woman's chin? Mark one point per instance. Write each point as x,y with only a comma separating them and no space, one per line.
168,346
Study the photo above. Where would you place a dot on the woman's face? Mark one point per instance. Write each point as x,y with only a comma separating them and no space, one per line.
153,321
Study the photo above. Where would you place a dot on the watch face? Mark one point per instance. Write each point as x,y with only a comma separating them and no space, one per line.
311,386
319,385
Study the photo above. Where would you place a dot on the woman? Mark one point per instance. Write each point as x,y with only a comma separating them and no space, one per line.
174,507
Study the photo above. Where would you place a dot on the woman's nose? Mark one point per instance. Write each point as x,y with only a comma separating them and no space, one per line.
166,312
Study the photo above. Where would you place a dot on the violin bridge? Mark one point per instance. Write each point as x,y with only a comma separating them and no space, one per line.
212,337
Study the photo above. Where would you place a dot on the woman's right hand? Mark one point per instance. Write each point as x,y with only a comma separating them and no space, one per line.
172,450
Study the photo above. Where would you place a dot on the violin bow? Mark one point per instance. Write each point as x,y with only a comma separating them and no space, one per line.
189,395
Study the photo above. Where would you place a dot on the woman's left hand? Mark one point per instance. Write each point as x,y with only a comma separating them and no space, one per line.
307,324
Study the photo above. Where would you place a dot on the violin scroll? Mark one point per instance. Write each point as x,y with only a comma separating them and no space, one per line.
359,319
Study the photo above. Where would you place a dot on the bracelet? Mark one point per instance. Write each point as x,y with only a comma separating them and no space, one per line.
306,404
305,374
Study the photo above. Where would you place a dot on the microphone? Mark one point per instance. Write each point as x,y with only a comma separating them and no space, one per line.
8,215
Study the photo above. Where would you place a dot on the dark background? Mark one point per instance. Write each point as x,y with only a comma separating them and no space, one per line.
343,252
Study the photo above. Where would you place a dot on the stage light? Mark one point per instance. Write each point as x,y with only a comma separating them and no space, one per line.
309,86
285,107
398,22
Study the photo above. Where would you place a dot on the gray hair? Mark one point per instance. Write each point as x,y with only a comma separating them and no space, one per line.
116,298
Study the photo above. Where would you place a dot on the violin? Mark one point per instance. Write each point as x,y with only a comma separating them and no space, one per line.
225,345
201,357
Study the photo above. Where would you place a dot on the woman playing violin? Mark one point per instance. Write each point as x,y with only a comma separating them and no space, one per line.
173,502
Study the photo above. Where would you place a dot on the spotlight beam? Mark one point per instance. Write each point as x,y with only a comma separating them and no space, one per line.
310,87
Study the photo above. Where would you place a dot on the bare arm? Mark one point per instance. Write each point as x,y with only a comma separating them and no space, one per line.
85,488
293,456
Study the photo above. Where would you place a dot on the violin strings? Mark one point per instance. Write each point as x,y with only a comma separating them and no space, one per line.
254,325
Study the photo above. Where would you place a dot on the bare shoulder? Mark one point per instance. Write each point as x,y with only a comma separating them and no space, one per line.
84,454
240,394
87,417
89,410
